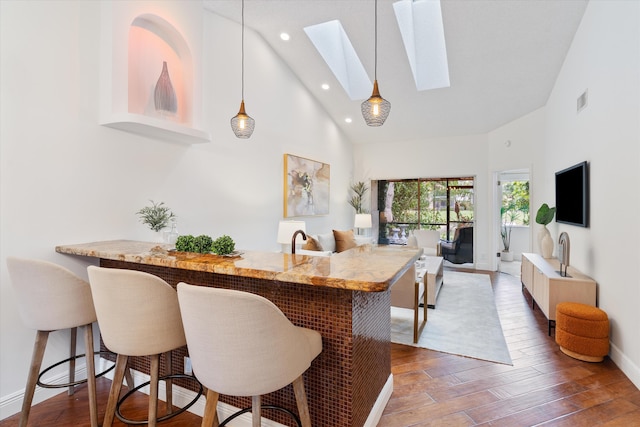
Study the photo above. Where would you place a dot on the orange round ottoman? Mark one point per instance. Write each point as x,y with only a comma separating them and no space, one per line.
582,331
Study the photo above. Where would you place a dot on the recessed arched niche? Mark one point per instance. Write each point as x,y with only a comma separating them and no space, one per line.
150,72
153,42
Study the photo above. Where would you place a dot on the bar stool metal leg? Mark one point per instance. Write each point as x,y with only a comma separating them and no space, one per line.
72,361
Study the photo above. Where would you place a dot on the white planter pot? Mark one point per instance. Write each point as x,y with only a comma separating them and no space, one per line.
506,256
546,243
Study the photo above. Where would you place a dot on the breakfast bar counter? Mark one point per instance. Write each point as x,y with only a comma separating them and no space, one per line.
345,297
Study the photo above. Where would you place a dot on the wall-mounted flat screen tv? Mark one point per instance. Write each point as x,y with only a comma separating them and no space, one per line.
572,195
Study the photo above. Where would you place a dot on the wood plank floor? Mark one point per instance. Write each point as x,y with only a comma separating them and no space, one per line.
543,387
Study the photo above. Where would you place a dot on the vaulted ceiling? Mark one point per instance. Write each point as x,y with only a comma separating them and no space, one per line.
503,56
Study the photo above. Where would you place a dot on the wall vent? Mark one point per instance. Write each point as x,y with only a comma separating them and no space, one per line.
582,101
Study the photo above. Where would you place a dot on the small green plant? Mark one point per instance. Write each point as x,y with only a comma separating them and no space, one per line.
186,243
223,245
545,214
203,244
156,216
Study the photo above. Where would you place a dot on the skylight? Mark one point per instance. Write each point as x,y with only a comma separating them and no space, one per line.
420,24
336,49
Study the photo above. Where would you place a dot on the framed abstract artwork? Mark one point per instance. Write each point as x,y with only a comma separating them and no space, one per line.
306,187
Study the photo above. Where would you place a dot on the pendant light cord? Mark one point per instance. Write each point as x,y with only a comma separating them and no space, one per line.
375,49
242,51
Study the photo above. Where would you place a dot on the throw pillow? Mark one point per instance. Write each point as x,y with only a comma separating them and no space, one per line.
327,242
312,244
344,240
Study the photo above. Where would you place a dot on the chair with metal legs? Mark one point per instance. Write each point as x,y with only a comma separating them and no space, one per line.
138,315
52,298
241,344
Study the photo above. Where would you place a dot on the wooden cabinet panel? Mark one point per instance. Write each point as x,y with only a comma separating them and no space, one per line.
548,288
526,274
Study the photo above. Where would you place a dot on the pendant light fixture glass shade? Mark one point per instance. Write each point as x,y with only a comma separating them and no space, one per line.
376,109
241,124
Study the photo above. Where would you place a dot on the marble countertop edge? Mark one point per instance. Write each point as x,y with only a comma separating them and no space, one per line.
367,268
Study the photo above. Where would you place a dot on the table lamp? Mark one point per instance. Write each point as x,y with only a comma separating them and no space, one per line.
285,233
362,221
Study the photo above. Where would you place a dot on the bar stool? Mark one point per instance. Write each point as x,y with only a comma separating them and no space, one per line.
52,298
138,315
241,344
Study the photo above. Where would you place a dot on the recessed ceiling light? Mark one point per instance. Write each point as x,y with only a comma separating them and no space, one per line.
325,86
284,36
348,120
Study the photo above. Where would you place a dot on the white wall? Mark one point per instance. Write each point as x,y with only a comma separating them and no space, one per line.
605,59
65,179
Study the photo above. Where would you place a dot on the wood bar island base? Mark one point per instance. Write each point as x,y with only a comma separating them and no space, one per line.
345,297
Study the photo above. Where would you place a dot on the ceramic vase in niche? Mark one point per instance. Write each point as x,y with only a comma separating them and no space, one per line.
164,95
546,242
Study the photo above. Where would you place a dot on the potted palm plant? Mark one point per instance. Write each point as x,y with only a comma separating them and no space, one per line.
359,190
509,215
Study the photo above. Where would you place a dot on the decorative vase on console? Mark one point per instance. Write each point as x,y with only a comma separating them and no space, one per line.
546,242
544,216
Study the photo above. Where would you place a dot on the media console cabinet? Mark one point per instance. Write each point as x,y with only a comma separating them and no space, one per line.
541,277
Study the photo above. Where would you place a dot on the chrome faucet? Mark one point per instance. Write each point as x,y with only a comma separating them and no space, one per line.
293,240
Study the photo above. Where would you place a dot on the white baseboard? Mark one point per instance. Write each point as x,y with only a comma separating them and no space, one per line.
381,402
626,365
12,403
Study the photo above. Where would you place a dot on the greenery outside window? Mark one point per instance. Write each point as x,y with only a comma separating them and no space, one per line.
427,203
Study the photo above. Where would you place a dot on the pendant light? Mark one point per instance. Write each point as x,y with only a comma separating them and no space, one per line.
241,123
375,110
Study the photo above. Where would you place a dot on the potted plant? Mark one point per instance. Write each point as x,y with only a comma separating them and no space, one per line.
509,215
359,189
543,217
156,217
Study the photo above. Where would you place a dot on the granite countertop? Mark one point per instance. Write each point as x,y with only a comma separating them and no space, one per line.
367,268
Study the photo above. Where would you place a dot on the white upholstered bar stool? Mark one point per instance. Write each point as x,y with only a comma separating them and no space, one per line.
138,315
241,344
52,298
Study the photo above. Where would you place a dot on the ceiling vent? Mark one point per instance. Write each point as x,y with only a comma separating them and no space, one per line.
583,100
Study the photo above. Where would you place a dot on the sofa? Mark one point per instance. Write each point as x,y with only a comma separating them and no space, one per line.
326,244
428,240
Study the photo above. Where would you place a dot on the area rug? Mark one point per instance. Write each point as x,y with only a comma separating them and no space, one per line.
465,321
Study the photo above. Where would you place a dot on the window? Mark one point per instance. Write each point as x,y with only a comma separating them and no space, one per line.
428,203
515,202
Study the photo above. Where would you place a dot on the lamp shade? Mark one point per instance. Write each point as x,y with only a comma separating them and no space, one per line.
242,124
287,228
362,221
376,109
